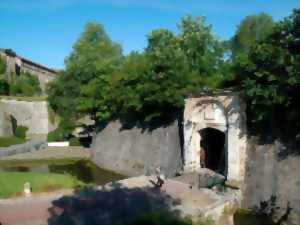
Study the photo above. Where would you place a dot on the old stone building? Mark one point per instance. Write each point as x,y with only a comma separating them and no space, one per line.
215,127
17,64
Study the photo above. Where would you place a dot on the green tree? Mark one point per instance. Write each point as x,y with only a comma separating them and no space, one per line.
203,50
147,86
269,78
82,87
154,83
252,29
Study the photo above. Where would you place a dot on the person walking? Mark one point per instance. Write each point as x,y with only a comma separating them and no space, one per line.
160,178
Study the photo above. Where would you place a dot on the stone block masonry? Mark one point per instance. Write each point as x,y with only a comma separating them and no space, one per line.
138,151
33,115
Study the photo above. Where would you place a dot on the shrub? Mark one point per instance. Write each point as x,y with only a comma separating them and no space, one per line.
2,66
21,131
4,87
26,85
55,135
75,141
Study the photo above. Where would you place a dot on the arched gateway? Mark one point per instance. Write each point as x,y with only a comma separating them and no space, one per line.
214,134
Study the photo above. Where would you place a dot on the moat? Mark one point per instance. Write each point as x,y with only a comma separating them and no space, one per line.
84,170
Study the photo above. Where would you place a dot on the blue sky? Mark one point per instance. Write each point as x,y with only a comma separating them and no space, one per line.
45,30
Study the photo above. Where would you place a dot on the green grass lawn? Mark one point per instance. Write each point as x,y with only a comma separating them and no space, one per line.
8,141
12,183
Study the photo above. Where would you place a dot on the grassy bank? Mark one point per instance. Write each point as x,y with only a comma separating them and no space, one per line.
12,183
8,141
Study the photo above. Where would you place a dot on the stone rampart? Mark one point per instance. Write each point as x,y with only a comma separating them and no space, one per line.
273,180
33,115
137,150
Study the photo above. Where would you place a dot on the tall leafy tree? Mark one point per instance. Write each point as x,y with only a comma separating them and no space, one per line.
204,52
84,84
253,28
269,77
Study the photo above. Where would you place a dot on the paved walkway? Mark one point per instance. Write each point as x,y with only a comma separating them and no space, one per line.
110,203
52,153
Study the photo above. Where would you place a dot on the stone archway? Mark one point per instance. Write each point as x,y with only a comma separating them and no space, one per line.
223,112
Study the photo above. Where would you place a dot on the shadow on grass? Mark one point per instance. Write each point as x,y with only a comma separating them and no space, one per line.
113,204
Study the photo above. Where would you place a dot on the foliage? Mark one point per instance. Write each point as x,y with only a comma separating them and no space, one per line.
8,141
75,141
4,87
54,135
25,84
2,66
63,132
252,29
12,182
166,218
85,85
269,78
20,131
152,84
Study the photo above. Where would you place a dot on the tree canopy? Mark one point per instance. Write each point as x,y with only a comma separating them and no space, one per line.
253,28
269,77
150,85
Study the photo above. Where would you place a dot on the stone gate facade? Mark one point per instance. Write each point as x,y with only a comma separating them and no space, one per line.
222,111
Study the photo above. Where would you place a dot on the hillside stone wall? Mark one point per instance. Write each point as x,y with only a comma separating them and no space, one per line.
268,175
5,124
136,151
33,115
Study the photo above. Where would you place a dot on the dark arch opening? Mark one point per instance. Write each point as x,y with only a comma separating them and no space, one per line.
213,149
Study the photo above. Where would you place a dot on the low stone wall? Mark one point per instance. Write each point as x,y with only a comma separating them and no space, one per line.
268,175
137,151
32,145
32,114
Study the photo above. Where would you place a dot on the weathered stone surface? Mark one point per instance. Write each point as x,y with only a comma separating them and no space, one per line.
225,112
33,115
136,151
267,175
44,74
5,124
32,145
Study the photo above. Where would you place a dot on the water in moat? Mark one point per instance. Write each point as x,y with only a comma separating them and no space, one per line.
83,170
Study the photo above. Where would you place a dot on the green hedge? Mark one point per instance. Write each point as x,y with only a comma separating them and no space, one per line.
21,131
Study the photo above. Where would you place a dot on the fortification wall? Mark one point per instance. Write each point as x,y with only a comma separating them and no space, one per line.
138,150
269,174
5,124
33,115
